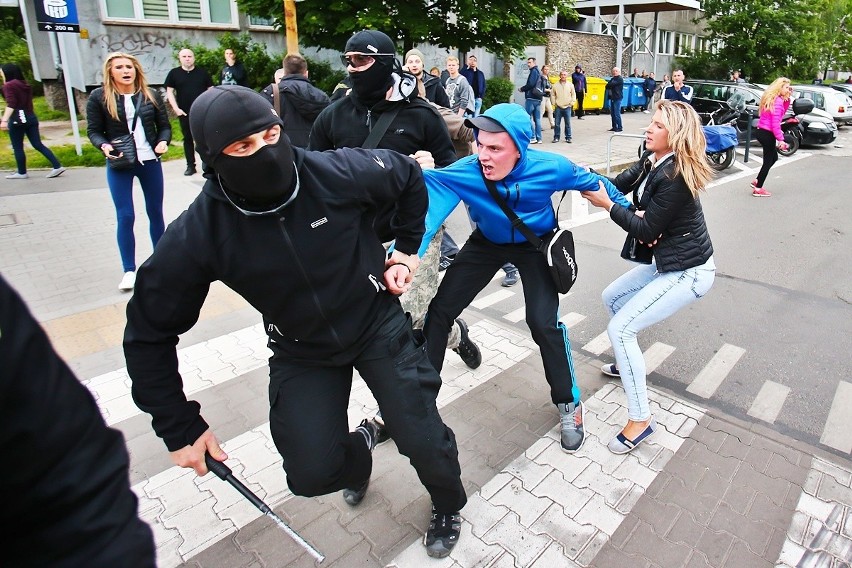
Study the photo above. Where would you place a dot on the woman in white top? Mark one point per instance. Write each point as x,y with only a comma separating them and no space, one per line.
110,114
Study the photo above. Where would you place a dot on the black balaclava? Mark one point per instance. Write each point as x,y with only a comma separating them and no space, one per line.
372,84
261,182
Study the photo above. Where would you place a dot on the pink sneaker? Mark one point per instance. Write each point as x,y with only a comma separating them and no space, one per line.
753,184
760,192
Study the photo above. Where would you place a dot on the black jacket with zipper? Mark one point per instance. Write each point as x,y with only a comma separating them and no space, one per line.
673,217
300,104
314,270
347,123
101,127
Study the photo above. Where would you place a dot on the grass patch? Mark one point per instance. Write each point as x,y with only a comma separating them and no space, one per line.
67,153
44,112
67,156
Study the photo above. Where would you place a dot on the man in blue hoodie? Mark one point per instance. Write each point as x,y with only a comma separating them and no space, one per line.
526,179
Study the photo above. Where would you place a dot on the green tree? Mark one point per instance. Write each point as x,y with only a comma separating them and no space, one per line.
13,45
259,65
830,37
763,38
504,27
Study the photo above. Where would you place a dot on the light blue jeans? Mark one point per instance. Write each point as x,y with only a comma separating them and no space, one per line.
637,300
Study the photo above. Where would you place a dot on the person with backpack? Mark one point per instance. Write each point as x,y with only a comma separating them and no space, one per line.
533,93
296,100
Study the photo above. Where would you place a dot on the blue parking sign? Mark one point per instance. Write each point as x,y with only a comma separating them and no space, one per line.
57,15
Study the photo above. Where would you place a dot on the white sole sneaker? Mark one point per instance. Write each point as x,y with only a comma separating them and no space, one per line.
55,172
127,282
610,370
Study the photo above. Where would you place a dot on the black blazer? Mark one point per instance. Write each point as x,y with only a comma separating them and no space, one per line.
670,211
101,127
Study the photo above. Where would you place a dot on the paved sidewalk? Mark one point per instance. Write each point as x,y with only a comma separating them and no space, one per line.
707,490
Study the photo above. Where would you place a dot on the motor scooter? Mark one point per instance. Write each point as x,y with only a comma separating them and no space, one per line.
721,149
735,114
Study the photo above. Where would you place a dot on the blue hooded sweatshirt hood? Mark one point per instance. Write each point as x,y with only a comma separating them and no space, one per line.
527,188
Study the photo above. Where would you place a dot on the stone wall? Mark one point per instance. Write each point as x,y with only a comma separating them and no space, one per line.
565,49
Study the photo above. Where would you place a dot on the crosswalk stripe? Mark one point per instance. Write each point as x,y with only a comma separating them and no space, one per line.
598,345
202,366
712,375
491,299
836,431
516,315
655,355
767,405
571,319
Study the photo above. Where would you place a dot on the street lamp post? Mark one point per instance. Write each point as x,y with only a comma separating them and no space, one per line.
290,27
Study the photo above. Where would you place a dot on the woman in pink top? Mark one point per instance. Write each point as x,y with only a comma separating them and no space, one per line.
773,105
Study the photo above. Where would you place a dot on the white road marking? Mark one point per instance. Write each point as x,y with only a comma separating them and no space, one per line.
712,375
655,355
836,431
598,345
516,315
767,405
491,299
571,319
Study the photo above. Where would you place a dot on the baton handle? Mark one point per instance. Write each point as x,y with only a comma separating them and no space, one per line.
225,473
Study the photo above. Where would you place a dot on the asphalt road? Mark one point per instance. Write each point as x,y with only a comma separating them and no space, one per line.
783,293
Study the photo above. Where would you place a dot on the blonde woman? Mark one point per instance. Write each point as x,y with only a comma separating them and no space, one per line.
110,113
666,217
773,104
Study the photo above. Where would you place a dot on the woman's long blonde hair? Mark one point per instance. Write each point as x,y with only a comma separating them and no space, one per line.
687,141
140,84
773,91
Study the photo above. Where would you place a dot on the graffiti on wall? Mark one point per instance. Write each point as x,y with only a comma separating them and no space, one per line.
151,48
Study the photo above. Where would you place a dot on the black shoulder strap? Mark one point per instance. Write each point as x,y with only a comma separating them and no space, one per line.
380,128
517,223
276,98
136,111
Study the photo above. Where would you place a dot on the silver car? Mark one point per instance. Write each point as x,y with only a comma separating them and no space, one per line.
834,102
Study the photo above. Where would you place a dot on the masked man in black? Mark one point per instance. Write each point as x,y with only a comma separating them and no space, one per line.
292,232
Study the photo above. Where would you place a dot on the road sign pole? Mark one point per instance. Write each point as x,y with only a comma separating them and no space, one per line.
72,108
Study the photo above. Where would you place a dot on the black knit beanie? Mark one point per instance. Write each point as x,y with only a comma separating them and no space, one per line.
227,113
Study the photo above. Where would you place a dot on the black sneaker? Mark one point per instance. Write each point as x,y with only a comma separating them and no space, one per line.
382,435
190,170
467,349
443,533
445,262
370,432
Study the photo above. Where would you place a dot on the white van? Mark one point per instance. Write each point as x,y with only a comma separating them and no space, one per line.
835,103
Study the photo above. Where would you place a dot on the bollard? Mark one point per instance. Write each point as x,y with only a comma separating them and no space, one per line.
748,137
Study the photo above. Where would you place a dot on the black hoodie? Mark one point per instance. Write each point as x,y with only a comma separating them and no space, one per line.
314,270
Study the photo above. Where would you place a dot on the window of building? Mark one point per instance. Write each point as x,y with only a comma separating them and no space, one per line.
665,42
173,11
683,44
258,21
642,41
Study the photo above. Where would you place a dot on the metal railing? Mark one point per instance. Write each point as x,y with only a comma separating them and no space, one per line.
609,146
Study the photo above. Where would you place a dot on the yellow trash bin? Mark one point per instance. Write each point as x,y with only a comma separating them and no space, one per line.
595,92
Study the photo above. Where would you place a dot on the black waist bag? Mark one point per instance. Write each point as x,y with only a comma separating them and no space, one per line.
558,249
557,245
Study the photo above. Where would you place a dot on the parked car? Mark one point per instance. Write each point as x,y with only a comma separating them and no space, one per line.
834,102
845,88
819,126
